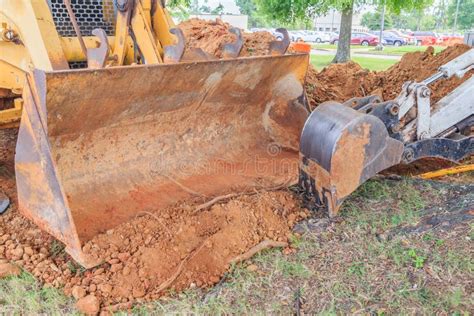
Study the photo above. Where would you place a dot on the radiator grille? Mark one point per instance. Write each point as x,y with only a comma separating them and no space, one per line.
90,14
78,64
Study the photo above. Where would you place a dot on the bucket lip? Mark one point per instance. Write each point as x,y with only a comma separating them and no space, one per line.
220,61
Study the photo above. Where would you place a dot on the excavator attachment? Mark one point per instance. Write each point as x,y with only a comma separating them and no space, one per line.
340,149
98,146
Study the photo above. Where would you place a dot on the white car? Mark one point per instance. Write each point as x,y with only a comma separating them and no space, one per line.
309,36
317,37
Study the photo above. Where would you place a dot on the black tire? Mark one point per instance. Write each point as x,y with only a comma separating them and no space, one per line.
418,43
364,43
318,40
397,43
335,42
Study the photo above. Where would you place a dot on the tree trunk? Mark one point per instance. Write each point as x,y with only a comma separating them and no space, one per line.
343,53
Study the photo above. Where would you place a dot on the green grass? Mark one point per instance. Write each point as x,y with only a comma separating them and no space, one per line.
330,46
24,296
321,61
401,50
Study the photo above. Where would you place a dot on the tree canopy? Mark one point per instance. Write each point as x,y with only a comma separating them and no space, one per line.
293,10
465,14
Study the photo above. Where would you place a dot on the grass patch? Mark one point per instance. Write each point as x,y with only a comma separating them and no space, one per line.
334,47
401,50
377,64
24,296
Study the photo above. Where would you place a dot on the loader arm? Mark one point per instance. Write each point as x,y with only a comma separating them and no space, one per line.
34,34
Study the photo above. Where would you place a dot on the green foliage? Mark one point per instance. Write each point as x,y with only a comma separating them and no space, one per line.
294,10
465,15
357,268
177,3
417,260
372,20
249,8
218,10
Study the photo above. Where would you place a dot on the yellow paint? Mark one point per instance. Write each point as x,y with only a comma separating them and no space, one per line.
41,47
448,171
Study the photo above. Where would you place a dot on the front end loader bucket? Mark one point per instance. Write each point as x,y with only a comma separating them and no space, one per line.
340,149
97,147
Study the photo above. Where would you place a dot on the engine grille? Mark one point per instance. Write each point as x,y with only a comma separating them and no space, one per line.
90,14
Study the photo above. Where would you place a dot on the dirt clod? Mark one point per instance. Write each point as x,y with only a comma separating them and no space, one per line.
211,36
78,292
8,269
88,305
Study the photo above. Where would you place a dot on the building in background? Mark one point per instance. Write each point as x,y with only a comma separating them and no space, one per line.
332,21
237,20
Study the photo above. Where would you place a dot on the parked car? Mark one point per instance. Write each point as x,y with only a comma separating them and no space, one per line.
451,38
359,38
410,40
277,35
296,36
316,37
426,38
389,38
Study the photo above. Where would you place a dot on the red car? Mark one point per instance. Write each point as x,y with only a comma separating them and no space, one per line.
360,38
451,39
426,38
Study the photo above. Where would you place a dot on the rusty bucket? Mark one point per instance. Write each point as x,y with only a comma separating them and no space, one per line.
97,147
342,148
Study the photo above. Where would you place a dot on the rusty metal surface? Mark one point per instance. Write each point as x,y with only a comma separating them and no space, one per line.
279,47
342,148
96,147
174,53
232,50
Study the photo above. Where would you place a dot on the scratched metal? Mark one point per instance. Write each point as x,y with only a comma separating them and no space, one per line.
96,147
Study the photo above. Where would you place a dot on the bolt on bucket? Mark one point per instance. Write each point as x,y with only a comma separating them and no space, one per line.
97,147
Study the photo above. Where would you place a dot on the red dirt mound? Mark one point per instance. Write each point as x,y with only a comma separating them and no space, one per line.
175,248
418,66
340,82
210,36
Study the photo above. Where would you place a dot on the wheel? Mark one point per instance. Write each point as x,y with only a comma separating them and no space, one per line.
335,42
318,40
397,43
299,39
418,43
364,43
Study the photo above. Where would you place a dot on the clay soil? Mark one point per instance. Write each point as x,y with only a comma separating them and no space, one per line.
172,249
340,82
210,36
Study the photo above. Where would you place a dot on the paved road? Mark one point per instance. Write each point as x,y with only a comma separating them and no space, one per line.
354,53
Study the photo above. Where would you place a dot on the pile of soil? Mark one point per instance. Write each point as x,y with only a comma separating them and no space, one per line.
175,248
210,36
340,82
418,66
